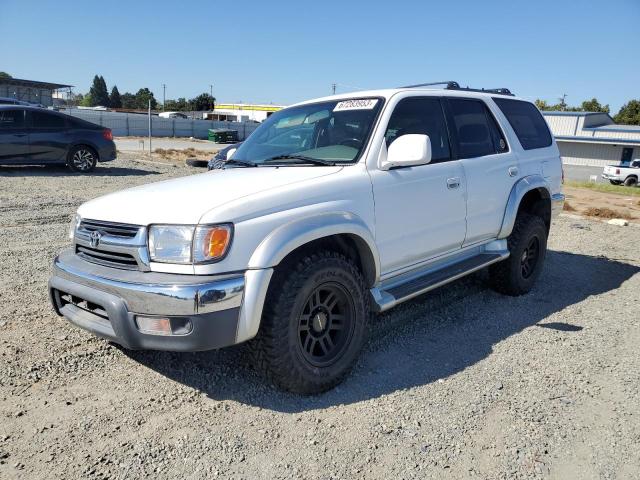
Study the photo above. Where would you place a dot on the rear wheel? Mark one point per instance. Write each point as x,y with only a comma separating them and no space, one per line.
82,159
314,323
631,182
527,247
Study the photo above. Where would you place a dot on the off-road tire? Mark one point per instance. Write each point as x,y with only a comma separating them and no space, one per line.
630,182
277,350
507,276
82,159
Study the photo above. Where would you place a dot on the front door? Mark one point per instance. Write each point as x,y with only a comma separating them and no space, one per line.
14,139
490,167
420,210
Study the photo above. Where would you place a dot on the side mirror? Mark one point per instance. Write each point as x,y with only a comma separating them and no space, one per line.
230,153
408,150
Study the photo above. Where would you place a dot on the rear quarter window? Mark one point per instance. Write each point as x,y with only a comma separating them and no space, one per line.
527,122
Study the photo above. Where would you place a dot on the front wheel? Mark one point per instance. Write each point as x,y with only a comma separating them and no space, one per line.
314,323
527,247
82,159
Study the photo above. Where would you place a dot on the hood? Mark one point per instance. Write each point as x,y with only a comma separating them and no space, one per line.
184,200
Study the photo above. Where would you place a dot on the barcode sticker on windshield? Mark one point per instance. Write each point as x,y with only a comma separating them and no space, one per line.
356,104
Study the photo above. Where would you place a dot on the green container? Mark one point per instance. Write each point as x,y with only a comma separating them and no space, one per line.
221,135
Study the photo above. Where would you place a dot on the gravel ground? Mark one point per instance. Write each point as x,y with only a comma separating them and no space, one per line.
460,383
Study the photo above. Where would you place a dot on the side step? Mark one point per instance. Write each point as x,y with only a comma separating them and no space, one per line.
402,291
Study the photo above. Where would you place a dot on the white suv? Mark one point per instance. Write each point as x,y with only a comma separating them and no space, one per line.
331,209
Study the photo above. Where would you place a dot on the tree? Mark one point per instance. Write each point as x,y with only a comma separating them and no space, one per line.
142,99
629,114
128,101
86,101
98,92
4,75
593,105
179,105
542,104
204,101
115,101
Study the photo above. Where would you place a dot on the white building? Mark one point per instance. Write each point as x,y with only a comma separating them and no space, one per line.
241,112
594,139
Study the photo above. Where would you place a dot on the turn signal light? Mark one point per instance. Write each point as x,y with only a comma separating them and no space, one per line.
154,325
217,240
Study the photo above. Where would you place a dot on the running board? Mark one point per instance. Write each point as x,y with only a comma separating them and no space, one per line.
400,291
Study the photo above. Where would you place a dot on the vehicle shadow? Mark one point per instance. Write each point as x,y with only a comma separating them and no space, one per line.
419,342
63,171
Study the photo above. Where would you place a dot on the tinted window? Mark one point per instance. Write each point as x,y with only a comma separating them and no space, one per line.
11,119
420,116
46,120
476,130
527,122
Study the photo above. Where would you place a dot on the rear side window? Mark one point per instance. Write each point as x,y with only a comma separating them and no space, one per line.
46,120
527,122
423,116
476,130
11,119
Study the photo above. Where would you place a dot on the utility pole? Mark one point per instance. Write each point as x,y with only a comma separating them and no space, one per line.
333,87
563,104
164,91
149,128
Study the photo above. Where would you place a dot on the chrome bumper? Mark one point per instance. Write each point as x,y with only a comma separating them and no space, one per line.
557,204
106,301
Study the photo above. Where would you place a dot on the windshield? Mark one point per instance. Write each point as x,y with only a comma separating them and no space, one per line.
333,132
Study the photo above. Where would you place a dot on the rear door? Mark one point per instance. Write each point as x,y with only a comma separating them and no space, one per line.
490,166
14,139
48,136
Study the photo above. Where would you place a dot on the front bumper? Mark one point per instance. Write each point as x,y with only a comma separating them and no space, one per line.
557,204
106,301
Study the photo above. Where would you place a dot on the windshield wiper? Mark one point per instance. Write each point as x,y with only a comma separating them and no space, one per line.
235,161
314,161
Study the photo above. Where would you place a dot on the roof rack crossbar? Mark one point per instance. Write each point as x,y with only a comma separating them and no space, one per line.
451,85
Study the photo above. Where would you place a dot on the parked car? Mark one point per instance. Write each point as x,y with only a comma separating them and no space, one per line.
34,136
172,115
220,158
626,173
333,208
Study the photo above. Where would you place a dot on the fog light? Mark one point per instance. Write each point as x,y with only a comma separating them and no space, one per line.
154,325
164,326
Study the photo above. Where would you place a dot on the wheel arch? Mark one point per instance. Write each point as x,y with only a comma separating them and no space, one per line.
341,231
530,194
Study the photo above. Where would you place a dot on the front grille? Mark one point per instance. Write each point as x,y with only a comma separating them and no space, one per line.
119,230
111,259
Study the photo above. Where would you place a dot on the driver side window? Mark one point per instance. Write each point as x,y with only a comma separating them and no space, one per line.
421,115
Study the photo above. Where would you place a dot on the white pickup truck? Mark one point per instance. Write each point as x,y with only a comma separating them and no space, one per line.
332,209
624,173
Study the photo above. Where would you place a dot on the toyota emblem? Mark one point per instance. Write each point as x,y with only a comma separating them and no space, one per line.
95,238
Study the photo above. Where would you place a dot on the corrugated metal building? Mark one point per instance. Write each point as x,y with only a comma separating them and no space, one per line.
31,91
592,138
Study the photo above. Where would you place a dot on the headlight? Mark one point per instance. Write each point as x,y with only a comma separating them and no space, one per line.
75,222
187,244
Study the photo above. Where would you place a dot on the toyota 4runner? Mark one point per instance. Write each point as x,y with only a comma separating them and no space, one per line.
332,209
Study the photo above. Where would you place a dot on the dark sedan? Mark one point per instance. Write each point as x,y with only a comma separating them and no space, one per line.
36,136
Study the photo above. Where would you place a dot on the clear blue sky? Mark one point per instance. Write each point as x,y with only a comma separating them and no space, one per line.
286,51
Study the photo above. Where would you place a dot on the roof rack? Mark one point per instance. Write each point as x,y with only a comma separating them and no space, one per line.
451,85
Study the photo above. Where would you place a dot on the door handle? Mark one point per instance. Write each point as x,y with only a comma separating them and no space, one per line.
513,171
453,182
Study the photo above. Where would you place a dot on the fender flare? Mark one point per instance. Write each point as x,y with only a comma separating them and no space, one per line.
286,238
518,191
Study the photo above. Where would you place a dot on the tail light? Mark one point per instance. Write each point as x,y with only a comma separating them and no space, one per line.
617,171
106,133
